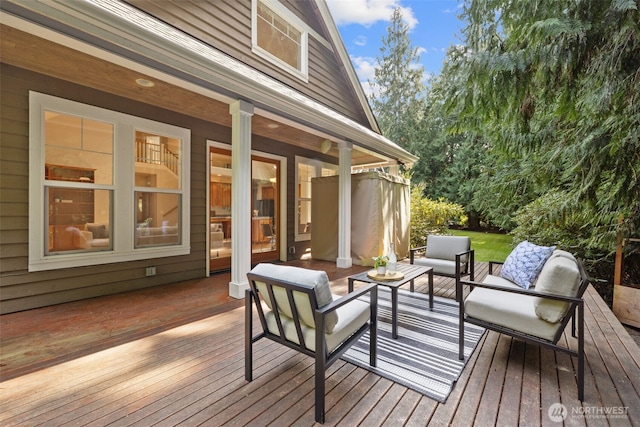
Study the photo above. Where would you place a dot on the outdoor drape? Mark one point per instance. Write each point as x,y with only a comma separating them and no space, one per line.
380,214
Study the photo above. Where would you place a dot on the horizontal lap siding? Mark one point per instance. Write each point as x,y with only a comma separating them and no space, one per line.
226,25
21,290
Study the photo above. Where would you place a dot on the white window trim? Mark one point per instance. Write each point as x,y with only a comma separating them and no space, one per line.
123,186
319,165
283,12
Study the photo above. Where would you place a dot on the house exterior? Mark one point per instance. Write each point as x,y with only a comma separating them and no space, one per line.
144,142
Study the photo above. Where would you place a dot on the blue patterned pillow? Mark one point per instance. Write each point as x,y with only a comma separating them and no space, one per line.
524,263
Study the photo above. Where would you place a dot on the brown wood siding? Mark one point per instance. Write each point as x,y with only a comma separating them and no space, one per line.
226,25
22,290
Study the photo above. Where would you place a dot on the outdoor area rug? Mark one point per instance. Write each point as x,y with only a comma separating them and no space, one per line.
425,355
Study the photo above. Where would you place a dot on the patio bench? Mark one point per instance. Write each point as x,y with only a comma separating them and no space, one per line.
448,255
293,304
539,314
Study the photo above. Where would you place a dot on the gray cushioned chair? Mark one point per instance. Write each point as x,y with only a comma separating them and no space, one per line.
539,314
293,304
444,253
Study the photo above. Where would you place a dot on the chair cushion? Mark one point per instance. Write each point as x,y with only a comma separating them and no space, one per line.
318,279
351,317
446,247
560,276
560,252
440,266
525,262
509,310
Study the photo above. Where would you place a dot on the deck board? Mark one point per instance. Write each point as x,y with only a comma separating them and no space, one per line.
175,356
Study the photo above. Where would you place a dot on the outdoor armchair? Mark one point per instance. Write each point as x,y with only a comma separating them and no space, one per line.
444,254
296,309
539,314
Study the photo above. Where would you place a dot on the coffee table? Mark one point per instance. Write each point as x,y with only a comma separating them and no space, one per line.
410,273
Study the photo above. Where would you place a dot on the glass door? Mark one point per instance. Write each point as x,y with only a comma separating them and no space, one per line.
264,209
220,209
265,198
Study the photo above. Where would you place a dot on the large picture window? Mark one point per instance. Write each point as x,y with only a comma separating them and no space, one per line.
279,36
104,186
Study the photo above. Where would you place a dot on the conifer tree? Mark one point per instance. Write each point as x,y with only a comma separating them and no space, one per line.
398,88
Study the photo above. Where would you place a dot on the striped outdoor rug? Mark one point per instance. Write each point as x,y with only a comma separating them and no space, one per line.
425,355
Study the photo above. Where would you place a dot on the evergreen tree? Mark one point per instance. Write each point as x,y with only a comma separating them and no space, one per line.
554,90
398,90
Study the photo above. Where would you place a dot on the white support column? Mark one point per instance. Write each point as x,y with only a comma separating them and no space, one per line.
344,206
241,112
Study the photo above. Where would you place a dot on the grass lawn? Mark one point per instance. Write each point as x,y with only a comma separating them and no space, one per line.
488,246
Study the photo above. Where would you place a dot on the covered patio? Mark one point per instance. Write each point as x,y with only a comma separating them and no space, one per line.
172,355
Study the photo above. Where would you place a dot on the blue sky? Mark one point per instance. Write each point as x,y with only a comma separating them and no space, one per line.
434,26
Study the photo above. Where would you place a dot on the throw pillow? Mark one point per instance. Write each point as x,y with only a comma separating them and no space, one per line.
98,231
524,263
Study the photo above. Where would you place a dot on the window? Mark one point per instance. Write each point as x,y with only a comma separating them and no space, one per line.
278,35
157,189
106,187
306,169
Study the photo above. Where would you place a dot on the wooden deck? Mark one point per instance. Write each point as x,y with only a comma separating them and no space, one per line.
173,355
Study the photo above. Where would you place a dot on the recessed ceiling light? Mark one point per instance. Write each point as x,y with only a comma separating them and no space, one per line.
145,83
273,125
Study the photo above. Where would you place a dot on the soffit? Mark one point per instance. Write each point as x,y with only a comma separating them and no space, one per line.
33,53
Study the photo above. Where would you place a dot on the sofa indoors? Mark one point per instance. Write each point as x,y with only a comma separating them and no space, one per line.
97,234
165,235
216,235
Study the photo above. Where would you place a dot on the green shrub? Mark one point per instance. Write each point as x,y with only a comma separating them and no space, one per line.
552,219
431,216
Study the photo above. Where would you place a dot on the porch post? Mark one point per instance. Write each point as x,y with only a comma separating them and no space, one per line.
344,206
241,112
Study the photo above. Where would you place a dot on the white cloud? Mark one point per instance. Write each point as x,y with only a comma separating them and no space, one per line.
360,41
368,12
456,10
365,67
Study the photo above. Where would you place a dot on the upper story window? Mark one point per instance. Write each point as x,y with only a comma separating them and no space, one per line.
104,186
279,36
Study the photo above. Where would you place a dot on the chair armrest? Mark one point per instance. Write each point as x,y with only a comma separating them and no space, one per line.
522,291
470,262
334,305
492,263
469,251
412,252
